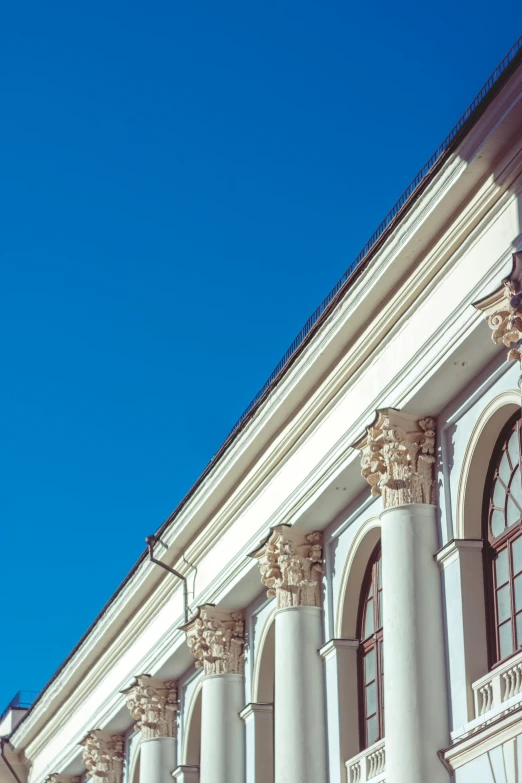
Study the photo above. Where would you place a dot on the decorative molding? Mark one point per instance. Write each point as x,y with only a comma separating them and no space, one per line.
264,709
398,454
186,774
216,639
154,705
291,565
503,311
103,756
450,552
330,648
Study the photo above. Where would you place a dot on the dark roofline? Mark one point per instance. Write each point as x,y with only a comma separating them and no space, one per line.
475,110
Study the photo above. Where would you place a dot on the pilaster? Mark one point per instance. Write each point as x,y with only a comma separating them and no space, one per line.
503,311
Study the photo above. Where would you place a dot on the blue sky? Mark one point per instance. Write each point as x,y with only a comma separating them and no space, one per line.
181,185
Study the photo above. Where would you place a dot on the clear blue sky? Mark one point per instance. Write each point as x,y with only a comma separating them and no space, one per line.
181,185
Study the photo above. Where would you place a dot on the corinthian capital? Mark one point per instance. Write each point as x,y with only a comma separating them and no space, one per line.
153,704
291,567
103,756
503,311
398,458
216,639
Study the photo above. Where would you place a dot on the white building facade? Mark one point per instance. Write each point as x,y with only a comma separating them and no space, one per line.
344,599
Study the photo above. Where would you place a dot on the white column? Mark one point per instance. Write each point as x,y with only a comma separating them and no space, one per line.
342,704
415,695
153,704
186,774
259,726
299,699
291,567
215,637
222,730
157,759
398,458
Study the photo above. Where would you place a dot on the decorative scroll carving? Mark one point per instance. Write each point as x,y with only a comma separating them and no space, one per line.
503,311
291,567
153,704
103,756
398,458
216,639
63,779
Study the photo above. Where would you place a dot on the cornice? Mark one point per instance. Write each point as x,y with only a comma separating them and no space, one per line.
318,404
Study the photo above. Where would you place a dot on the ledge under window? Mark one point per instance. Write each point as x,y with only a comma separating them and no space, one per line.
368,765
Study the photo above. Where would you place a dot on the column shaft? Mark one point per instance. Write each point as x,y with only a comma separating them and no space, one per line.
222,730
415,694
299,701
158,759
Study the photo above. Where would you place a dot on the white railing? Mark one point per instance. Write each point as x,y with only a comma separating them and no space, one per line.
498,686
368,765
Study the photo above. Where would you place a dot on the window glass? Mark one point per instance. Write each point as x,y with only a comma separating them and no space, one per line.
370,653
503,544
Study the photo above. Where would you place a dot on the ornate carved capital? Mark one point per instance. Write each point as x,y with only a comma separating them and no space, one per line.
398,454
503,311
103,756
63,779
291,567
216,639
154,705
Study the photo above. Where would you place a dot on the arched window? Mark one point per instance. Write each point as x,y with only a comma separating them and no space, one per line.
371,670
503,544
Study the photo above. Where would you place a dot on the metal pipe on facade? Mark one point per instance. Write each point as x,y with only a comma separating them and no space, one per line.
3,740
150,541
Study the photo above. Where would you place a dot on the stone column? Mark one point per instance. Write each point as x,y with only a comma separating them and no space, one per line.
291,567
216,639
397,462
259,724
153,704
103,756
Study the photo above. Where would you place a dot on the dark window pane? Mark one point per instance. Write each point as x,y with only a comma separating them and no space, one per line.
502,567
513,513
497,522
368,620
515,489
379,573
505,640
371,731
499,494
518,593
371,698
504,470
379,599
370,668
513,448
516,554
503,604
518,627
